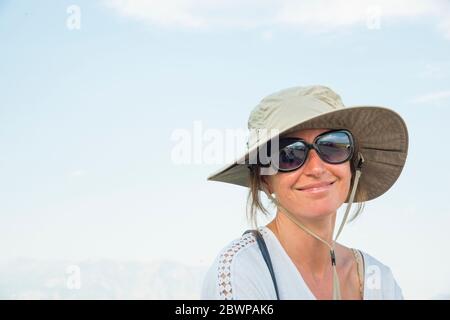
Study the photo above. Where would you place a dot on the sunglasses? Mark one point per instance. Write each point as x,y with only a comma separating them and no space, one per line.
333,147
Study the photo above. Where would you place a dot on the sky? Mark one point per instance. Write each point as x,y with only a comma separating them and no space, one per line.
95,95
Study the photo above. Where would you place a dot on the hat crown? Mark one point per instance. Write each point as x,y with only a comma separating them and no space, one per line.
296,99
287,108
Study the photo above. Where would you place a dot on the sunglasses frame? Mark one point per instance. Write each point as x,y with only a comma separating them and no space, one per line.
314,146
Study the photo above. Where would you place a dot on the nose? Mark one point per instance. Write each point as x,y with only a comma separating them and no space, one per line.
314,166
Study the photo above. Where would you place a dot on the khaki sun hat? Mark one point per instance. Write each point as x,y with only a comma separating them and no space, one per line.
380,134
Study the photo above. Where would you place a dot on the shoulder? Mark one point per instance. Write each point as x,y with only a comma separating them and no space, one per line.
379,280
238,272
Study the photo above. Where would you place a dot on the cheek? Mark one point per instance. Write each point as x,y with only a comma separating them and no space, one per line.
284,187
344,174
285,181
281,183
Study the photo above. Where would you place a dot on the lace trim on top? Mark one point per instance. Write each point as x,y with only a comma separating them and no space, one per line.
225,261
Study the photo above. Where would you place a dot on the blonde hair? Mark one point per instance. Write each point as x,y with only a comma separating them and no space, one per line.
254,201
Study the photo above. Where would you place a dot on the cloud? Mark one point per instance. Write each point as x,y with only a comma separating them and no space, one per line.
435,70
444,26
309,15
164,13
267,35
434,97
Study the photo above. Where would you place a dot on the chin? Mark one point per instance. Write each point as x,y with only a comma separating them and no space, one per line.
318,211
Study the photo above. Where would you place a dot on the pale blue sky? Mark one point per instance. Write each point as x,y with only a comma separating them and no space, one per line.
86,118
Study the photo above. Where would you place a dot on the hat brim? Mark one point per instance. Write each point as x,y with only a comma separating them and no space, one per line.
381,136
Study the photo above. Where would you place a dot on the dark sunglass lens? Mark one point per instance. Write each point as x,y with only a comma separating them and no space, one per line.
292,156
335,147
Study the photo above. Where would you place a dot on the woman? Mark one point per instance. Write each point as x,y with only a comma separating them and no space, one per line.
309,154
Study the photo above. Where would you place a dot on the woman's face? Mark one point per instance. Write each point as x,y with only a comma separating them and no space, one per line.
296,192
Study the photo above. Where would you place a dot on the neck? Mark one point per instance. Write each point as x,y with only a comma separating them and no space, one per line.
305,250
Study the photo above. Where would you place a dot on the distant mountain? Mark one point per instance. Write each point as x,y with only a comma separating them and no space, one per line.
99,279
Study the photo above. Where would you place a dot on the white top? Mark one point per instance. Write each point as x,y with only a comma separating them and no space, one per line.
240,272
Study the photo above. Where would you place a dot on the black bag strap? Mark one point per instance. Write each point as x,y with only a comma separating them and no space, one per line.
265,253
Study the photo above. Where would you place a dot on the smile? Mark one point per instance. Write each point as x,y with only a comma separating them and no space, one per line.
317,187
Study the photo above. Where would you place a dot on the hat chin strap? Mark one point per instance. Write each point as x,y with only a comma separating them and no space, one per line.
336,285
